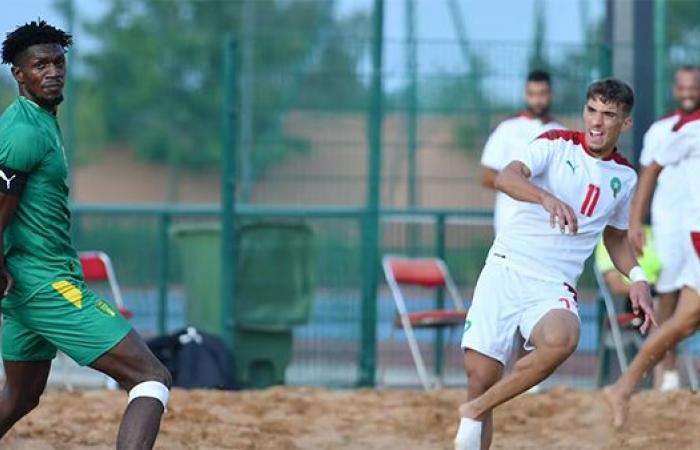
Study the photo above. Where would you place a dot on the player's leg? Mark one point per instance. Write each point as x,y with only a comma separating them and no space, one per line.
665,373
482,373
488,342
24,383
682,324
27,360
138,371
94,334
554,339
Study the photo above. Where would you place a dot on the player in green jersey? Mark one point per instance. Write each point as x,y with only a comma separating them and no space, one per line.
46,305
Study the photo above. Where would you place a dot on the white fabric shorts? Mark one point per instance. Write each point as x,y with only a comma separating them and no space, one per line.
671,248
690,275
506,302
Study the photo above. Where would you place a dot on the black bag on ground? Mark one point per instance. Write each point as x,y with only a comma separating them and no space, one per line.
196,360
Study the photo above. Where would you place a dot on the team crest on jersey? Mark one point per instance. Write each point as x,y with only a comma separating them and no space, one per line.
616,186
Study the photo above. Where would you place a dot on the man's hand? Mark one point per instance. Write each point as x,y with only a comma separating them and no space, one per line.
640,297
6,282
560,214
637,238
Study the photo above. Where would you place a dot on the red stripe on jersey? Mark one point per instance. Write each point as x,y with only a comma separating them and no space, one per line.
686,119
695,238
589,194
594,201
579,138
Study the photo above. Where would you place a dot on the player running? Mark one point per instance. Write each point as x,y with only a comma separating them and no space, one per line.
47,305
666,217
571,187
681,154
513,134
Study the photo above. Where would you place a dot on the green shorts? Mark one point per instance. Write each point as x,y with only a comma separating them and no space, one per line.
65,316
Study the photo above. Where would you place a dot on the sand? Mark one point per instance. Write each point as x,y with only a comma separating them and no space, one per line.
310,418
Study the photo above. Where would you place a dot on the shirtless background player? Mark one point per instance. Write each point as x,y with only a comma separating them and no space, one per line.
571,187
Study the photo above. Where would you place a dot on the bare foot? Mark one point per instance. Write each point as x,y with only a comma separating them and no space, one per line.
619,405
467,410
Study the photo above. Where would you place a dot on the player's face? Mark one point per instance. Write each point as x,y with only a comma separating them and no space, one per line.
538,97
686,90
603,123
41,73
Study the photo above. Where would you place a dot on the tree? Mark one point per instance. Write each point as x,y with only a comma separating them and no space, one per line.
538,59
158,69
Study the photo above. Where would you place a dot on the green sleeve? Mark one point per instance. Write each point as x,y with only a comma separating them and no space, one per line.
602,259
22,148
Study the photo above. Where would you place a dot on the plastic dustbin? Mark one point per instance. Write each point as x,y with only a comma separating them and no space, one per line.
274,291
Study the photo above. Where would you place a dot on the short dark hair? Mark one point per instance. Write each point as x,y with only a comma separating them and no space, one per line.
32,33
539,76
612,90
688,68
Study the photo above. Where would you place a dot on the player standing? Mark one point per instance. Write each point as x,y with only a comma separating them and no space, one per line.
571,187
47,305
681,154
513,134
666,217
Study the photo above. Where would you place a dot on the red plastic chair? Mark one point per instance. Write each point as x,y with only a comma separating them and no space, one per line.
428,273
97,267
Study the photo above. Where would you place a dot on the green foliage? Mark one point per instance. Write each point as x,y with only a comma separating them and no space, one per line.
156,75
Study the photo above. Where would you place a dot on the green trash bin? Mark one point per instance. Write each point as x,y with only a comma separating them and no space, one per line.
274,291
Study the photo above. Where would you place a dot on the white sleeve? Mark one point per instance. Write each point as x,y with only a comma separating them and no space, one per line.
538,154
649,147
496,151
679,146
621,216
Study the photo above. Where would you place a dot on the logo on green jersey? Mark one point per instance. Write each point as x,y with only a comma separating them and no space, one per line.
104,307
616,186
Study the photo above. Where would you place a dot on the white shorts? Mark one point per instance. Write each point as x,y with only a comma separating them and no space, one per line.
507,301
671,248
690,275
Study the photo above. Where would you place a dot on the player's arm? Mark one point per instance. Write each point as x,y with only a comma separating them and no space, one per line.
639,208
8,206
514,180
622,255
488,177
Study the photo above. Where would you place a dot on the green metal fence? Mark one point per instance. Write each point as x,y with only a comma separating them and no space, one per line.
312,114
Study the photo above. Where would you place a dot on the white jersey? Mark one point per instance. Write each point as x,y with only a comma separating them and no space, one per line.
508,140
598,190
681,154
665,216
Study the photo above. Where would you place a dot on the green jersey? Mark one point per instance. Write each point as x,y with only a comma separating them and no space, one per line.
38,249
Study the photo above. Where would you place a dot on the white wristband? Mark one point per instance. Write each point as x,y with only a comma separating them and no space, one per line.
637,274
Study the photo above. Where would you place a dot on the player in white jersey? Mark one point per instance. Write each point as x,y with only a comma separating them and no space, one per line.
682,151
571,187
666,217
512,136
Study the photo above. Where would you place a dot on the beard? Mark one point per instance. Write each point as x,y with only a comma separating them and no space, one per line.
539,113
51,103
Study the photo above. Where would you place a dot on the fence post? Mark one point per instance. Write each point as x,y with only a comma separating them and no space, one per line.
228,193
440,296
164,258
660,57
370,229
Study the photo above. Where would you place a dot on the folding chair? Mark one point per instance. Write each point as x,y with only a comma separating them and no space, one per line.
619,332
97,267
427,273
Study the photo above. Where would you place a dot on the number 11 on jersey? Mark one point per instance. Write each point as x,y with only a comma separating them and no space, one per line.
591,200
